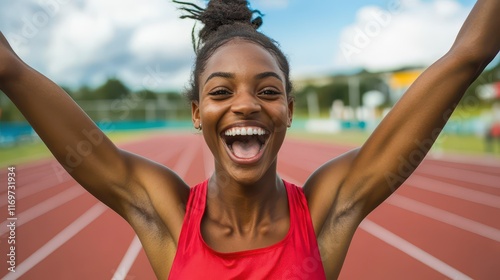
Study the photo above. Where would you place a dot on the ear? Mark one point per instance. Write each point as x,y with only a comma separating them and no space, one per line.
195,114
291,104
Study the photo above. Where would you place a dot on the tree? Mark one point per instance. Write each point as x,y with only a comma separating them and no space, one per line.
112,89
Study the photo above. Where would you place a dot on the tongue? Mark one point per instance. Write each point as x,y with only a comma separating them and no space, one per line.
246,149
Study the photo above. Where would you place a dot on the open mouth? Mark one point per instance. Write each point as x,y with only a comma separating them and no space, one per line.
245,142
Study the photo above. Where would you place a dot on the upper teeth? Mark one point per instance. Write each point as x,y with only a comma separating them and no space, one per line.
245,131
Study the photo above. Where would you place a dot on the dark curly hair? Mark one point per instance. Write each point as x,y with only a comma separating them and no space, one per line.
223,21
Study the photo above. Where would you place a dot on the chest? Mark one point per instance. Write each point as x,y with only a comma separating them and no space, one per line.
227,239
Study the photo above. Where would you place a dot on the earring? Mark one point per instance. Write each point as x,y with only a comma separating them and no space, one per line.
199,127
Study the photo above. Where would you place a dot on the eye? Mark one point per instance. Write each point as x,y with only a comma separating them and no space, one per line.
220,93
270,93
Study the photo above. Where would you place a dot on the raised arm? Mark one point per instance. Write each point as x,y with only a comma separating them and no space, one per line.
405,136
127,183
354,184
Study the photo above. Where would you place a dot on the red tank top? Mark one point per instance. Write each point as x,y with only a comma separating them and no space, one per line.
295,257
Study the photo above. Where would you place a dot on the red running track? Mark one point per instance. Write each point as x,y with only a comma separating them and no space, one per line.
443,223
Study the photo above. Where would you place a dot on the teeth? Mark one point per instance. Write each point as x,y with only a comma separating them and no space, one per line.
244,131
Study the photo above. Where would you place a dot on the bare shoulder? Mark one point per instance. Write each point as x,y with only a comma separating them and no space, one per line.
333,214
323,187
154,207
157,194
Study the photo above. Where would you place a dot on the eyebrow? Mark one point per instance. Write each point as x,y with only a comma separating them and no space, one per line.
221,75
228,75
268,74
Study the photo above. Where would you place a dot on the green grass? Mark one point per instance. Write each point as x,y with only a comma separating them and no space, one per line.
30,151
354,138
456,144
463,144
21,153
27,152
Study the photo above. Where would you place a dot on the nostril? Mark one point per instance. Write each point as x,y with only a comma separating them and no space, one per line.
245,103
245,108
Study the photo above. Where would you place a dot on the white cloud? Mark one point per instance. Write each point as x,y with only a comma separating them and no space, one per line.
130,13
76,41
162,39
154,77
87,41
415,34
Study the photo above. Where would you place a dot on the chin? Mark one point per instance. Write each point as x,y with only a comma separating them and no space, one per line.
247,176
242,175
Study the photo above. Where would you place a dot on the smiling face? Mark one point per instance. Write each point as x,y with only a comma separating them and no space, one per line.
244,110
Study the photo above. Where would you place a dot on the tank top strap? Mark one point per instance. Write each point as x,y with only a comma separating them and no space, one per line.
300,217
294,257
194,213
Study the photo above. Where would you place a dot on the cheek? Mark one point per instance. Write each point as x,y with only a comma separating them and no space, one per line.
210,115
210,112
280,118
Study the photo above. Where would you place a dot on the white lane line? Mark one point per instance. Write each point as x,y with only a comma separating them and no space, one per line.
466,176
181,167
190,152
31,188
57,241
436,214
411,250
26,180
448,189
444,216
437,186
45,206
128,260
487,161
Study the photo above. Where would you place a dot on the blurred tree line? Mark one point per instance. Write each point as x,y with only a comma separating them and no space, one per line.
337,88
114,101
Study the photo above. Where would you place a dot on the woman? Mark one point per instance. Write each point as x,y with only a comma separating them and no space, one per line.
244,222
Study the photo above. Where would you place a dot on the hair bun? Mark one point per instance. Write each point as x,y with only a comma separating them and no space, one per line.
219,13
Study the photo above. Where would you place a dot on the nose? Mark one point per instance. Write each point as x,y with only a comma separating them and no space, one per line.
245,104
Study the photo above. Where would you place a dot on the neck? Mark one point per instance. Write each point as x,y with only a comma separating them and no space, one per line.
244,207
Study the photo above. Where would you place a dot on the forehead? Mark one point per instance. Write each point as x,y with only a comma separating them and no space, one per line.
241,56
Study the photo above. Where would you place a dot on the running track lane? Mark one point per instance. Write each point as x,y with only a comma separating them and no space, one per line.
442,224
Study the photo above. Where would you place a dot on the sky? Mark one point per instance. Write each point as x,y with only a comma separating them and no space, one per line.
145,44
